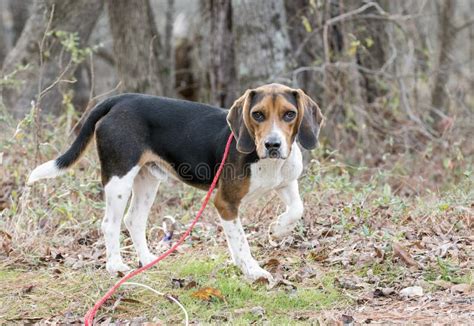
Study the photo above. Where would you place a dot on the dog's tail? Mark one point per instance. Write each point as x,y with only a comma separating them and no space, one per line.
58,166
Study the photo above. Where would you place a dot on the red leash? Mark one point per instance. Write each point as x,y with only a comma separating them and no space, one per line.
89,317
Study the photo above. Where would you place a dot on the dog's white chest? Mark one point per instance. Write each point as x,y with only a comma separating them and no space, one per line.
270,174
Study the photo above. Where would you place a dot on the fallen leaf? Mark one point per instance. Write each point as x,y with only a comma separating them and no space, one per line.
207,293
324,233
282,282
56,255
443,284
190,285
27,289
56,271
412,291
130,300
401,253
364,298
319,255
272,265
86,241
177,283
383,292
461,288
220,317
6,242
379,253
261,281
349,284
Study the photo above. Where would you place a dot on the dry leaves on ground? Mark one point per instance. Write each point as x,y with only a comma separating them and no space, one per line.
207,294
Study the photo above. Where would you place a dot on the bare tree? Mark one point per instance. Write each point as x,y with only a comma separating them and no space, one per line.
343,94
169,51
185,79
136,46
262,42
3,44
439,97
222,60
372,48
19,11
46,62
304,20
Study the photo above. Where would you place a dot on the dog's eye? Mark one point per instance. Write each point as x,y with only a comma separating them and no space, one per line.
258,116
289,115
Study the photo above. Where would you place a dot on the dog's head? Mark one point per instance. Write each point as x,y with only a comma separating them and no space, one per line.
269,119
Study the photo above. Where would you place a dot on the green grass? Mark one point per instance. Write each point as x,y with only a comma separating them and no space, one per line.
39,294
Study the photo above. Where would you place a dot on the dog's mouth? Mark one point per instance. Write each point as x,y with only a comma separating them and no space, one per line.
273,154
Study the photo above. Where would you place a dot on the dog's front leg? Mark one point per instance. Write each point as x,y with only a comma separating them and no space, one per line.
287,221
240,251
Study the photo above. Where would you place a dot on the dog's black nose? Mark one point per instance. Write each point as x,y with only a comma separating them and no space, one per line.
272,144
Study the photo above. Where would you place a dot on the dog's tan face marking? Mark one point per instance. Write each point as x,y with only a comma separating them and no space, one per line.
273,120
269,118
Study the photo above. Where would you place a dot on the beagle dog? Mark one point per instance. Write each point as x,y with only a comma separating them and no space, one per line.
143,140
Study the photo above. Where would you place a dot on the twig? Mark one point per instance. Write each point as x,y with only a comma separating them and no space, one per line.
108,92
106,56
90,107
36,105
92,76
57,81
408,110
41,46
342,17
259,215
169,297
463,26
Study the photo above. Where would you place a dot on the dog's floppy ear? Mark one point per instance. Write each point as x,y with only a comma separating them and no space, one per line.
311,122
237,117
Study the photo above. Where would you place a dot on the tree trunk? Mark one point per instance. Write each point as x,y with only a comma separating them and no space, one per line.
343,94
168,49
222,60
304,28
439,97
262,42
136,46
372,50
188,43
19,10
43,57
3,44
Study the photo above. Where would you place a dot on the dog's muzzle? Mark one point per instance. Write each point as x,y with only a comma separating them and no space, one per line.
272,146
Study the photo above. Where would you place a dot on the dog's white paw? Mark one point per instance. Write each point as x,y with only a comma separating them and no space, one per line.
253,272
146,259
114,267
278,230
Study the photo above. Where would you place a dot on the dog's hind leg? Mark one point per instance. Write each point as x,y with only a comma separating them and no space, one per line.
144,191
117,193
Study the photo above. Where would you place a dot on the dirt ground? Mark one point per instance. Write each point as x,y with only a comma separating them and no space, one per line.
351,260
375,245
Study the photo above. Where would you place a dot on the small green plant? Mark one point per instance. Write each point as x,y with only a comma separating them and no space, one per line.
70,41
